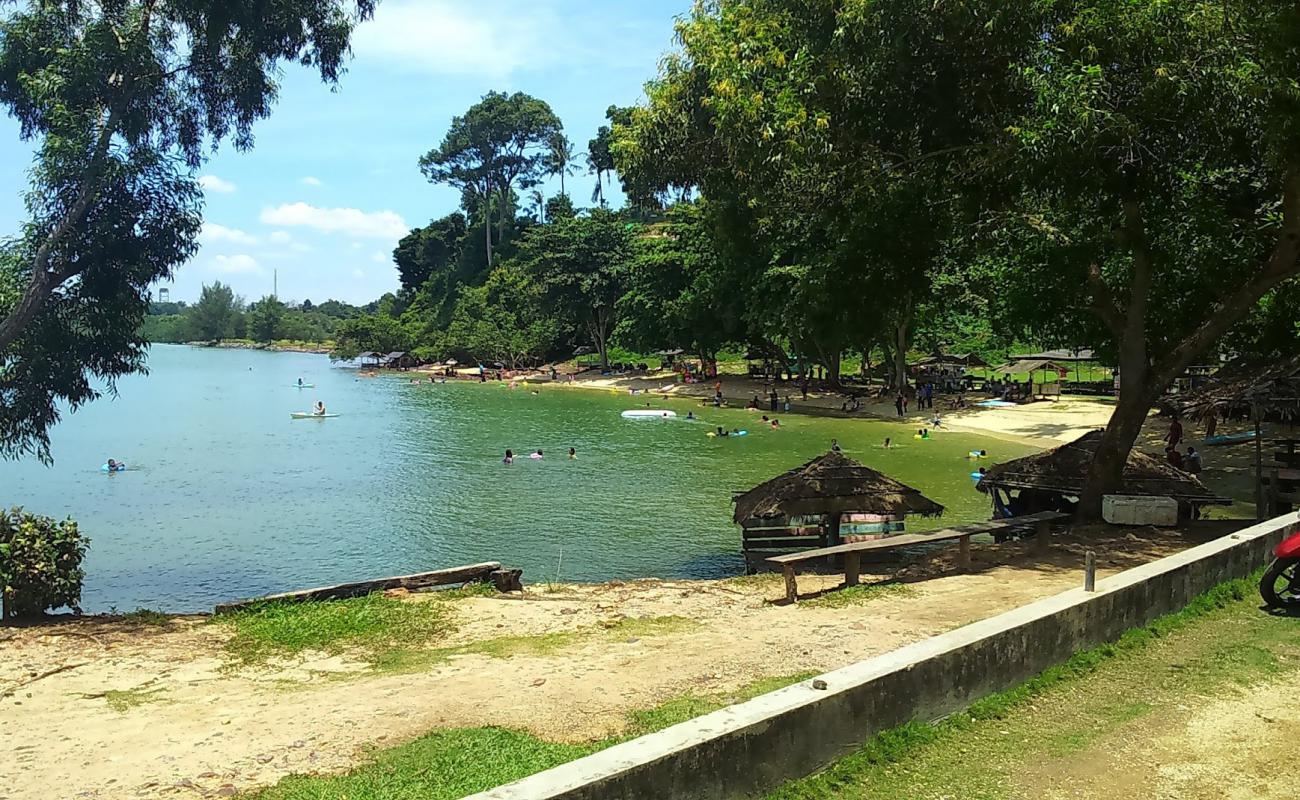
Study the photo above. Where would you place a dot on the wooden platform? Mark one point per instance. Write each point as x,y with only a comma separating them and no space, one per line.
487,571
852,553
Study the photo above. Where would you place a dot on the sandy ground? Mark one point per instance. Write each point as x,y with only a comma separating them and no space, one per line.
209,729
1232,747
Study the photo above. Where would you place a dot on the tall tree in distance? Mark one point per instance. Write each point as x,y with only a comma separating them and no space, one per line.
561,159
600,162
499,145
124,100
214,314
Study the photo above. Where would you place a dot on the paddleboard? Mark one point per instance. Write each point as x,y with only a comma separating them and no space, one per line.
304,386
302,415
646,413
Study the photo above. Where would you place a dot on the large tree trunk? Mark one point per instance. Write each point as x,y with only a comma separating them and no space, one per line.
900,356
487,232
1107,473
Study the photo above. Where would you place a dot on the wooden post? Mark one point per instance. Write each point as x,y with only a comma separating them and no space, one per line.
963,552
1090,572
852,566
791,587
1260,504
1042,537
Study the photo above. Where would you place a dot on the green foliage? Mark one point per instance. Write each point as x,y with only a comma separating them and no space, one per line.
501,321
378,334
266,319
500,143
40,563
579,266
432,253
217,314
123,101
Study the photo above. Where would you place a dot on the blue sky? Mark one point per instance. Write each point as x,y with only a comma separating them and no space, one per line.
333,182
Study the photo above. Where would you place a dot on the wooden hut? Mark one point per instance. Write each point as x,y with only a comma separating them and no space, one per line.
1054,479
369,360
812,504
398,360
1258,392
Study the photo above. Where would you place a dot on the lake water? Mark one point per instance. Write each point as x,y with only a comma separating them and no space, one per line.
227,497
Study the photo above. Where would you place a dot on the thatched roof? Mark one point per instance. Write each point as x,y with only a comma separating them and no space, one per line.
1057,355
832,484
1031,365
1239,387
1065,469
951,359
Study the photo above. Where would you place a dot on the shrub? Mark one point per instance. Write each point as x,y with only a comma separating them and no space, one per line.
40,563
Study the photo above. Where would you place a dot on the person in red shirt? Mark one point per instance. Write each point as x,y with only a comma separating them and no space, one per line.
1175,435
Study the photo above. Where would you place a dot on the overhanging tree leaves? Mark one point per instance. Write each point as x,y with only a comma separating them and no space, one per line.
124,99
1158,168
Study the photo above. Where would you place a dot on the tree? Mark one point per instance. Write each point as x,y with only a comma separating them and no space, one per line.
579,265
502,321
215,313
1157,166
600,162
537,203
266,319
681,292
377,333
561,158
431,252
560,207
499,144
124,101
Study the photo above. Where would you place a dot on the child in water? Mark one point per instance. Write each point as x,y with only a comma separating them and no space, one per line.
509,459
572,453
888,442
536,456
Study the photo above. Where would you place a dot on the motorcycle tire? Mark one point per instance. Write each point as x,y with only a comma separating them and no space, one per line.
1285,571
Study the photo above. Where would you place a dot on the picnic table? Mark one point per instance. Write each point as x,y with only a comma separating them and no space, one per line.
1041,523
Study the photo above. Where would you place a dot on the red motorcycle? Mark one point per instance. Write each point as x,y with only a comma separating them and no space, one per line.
1280,586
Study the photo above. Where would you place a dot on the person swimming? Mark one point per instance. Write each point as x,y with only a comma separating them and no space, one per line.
537,456
573,453
690,415
776,423
888,442
722,432
510,457
835,446
319,410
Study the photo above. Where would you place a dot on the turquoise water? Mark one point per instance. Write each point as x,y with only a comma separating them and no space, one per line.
227,497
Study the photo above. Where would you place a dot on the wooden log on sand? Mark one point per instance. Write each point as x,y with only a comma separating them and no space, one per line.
414,583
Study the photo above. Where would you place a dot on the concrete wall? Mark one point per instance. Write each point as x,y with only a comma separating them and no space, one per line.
747,749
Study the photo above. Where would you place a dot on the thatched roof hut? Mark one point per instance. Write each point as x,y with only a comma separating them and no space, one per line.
1064,470
832,484
1240,390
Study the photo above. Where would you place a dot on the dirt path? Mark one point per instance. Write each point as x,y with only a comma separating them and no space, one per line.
144,711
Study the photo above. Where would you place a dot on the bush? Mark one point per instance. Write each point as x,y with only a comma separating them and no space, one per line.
40,563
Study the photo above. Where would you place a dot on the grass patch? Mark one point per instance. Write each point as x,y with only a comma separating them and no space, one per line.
1220,640
757,581
146,616
124,700
475,589
446,765
858,595
370,626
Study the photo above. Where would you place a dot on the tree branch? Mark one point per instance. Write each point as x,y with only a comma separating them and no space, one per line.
45,279
1103,302
1282,263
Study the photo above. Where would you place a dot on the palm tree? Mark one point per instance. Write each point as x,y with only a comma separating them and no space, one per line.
539,204
561,158
600,162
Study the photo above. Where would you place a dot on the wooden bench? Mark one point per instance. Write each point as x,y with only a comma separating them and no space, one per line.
852,553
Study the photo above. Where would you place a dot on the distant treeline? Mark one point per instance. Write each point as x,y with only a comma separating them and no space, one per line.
221,314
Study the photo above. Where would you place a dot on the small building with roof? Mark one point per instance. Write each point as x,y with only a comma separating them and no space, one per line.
1054,479
824,502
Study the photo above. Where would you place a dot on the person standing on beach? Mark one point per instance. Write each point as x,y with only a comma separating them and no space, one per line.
1175,435
898,404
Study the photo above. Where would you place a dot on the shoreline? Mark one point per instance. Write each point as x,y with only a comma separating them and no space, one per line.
271,347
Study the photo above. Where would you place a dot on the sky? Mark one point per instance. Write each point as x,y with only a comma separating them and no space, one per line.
333,183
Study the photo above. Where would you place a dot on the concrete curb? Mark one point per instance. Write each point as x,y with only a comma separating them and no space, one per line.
752,747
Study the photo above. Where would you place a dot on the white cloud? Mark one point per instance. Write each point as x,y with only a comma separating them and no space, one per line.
235,265
280,237
212,183
492,38
311,181
350,221
379,257
213,233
